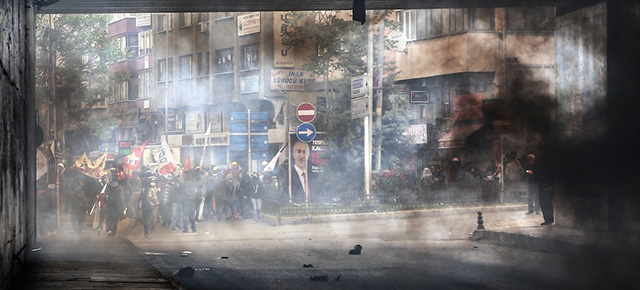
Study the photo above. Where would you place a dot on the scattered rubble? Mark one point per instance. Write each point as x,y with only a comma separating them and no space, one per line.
357,249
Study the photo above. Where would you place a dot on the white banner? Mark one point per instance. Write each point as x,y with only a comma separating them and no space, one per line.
166,161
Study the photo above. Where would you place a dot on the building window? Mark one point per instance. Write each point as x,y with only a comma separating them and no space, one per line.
483,19
170,69
222,15
224,60
250,59
164,22
184,19
145,86
203,17
408,20
428,23
145,43
207,63
185,67
202,60
150,128
539,18
175,121
162,70
120,91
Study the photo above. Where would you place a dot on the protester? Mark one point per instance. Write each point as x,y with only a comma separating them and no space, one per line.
149,204
114,200
78,206
256,195
532,189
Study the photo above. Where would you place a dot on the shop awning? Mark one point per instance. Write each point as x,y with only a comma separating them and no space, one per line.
457,137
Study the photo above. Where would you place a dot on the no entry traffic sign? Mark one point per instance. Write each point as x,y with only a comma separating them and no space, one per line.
306,112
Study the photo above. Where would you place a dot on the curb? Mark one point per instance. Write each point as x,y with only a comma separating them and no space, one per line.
550,244
276,221
169,278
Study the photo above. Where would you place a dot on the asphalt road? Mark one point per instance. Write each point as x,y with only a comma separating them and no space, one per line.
418,253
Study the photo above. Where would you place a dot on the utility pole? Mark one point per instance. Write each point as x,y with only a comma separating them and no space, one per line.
380,93
367,119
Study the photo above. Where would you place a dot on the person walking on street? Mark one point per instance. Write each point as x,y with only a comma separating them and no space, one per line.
546,180
190,201
78,206
532,189
114,199
149,203
256,195
174,186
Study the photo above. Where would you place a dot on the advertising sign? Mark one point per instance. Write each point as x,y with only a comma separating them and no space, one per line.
249,84
282,56
290,80
420,97
248,23
468,107
418,133
308,161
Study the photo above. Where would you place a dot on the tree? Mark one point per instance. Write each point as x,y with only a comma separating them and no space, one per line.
337,51
73,52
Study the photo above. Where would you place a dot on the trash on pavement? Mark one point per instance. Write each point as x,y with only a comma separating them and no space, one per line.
307,266
224,257
337,278
36,249
357,249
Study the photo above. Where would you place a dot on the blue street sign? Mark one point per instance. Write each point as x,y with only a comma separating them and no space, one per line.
306,132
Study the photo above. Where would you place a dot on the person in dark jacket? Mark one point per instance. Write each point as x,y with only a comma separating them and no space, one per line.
78,206
546,179
532,188
114,200
257,192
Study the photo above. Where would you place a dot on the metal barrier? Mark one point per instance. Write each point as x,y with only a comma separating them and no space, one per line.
451,195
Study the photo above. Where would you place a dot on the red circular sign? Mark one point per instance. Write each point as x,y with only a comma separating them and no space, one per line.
306,112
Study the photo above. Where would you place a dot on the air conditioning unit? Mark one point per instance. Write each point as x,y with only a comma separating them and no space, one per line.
203,26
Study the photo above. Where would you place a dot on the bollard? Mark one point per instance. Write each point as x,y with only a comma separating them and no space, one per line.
480,221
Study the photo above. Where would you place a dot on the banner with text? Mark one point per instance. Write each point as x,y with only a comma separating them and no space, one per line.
290,80
282,56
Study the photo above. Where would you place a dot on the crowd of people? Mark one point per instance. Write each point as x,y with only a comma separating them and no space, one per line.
182,199
179,200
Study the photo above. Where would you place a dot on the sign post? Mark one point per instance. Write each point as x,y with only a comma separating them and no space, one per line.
361,92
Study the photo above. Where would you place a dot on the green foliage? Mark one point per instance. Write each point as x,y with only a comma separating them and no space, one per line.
337,51
73,52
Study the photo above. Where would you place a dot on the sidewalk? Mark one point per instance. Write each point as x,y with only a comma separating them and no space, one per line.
527,233
87,261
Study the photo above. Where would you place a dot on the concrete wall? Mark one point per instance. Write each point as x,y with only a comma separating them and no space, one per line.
17,151
597,65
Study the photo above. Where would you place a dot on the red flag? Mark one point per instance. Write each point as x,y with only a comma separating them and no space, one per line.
132,161
187,164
